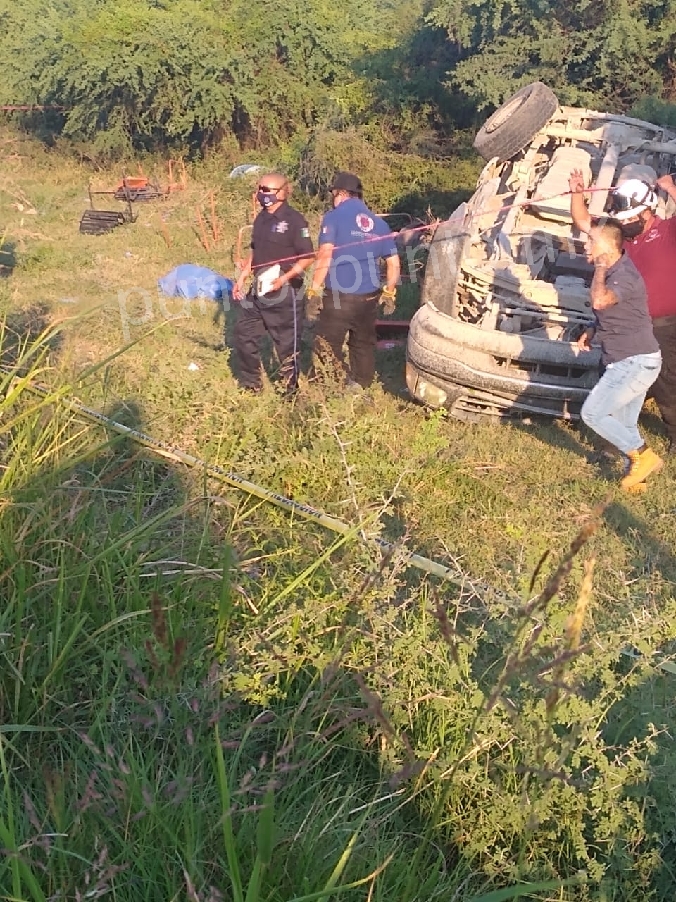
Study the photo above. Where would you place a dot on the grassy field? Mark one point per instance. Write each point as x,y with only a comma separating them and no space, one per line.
203,697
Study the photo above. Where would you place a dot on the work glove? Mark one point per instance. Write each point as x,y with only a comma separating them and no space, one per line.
388,299
314,301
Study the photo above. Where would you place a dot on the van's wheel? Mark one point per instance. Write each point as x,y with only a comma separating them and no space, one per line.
518,120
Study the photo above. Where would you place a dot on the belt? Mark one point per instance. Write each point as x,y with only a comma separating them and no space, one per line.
369,296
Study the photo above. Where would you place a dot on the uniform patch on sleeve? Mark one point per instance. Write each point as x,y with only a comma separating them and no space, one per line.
304,233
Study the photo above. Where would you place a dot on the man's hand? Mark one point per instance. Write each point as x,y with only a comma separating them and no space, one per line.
578,209
278,284
239,292
666,183
576,182
388,300
584,341
314,302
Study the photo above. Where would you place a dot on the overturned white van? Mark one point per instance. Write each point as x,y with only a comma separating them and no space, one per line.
506,285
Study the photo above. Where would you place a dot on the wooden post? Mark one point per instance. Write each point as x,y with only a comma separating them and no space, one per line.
174,166
203,231
214,220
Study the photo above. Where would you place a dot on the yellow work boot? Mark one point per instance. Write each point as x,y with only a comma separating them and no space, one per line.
641,465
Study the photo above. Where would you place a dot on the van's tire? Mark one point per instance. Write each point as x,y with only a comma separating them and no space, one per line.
518,120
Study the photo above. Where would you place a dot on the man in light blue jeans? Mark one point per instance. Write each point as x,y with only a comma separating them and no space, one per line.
629,352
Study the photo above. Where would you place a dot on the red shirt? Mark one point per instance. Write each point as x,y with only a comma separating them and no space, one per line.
654,255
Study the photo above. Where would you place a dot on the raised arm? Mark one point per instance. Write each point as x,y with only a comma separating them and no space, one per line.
666,183
578,209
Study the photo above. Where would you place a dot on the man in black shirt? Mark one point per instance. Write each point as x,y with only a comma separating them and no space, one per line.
281,251
629,352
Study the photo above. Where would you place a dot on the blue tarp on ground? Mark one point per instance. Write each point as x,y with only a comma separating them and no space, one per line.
190,281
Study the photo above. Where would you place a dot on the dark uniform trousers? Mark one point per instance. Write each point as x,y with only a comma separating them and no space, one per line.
282,318
353,315
664,389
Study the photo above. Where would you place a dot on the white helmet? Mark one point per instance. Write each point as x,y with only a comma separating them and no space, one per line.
630,199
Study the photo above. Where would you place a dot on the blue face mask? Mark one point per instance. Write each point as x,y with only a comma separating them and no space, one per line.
266,198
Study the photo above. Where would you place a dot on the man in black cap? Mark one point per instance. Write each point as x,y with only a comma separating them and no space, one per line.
346,285
281,251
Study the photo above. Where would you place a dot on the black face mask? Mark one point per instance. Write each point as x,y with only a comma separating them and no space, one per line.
632,230
266,198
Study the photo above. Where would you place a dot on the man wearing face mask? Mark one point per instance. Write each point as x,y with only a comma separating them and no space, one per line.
281,251
352,241
650,243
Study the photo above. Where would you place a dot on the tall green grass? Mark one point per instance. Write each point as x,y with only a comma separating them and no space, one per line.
192,709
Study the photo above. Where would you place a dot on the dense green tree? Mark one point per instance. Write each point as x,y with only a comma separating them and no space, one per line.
296,60
125,72
143,72
405,82
150,73
605,52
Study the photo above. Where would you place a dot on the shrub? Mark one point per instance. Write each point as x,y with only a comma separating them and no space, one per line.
392,181
654,109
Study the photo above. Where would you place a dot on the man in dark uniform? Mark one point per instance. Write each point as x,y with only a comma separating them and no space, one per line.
650,243
352,241
281,251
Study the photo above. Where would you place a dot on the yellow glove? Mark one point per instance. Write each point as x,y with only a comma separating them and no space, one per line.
388,299
314,301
